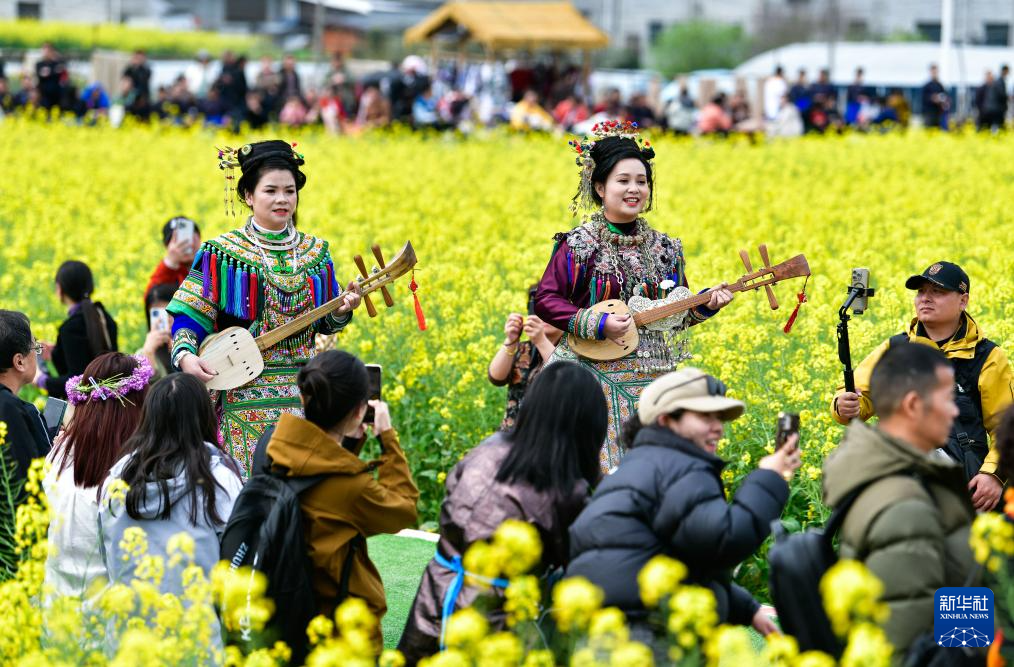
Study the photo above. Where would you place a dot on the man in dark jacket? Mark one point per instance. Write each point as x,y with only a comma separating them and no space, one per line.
26,437
666,497
910,523
935,101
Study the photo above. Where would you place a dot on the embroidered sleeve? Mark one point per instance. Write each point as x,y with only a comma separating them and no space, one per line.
326,285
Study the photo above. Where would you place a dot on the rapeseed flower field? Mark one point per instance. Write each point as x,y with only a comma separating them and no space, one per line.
481,213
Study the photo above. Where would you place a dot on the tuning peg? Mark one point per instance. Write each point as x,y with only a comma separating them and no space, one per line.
383,290
370,308
743,255
772,301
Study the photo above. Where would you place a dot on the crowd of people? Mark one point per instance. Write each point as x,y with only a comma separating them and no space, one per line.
613,458
528,96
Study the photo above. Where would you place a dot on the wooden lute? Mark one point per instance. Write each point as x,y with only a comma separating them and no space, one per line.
607,350
236,355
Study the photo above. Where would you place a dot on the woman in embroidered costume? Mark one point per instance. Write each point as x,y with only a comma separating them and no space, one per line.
615,254
259,277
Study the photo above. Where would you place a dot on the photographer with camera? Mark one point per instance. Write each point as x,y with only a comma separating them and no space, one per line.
517,363
984,383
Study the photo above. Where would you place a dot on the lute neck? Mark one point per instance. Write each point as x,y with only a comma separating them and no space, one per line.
676,307
266,340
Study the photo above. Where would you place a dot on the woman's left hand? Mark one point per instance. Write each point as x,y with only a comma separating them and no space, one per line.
720,297
351,298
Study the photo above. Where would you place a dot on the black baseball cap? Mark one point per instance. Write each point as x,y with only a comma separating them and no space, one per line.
942,274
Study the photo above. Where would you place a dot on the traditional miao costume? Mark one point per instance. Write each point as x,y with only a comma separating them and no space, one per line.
258,280
598,261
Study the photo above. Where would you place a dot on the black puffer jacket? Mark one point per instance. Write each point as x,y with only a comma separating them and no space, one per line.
666,497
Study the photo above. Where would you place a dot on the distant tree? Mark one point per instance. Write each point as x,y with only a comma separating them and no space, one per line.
694,45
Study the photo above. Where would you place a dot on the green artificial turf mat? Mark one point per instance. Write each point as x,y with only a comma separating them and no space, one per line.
401,561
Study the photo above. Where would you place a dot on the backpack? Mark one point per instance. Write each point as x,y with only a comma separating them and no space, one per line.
265,532
796,564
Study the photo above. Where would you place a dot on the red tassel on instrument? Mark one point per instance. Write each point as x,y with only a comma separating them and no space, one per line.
801,297
413,286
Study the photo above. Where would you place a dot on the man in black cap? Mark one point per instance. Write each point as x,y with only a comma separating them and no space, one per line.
984,384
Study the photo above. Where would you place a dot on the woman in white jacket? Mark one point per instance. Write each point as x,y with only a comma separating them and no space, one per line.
177,481
107,400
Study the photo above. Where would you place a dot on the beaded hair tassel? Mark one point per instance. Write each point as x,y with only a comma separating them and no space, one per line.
584,200
228,160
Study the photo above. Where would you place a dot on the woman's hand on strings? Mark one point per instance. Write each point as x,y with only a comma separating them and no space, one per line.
720,297
617,327
351,298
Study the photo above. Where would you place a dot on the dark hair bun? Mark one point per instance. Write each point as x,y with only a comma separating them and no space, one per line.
275,154
648,153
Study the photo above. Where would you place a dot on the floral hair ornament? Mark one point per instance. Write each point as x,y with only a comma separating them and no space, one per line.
584,199
81,389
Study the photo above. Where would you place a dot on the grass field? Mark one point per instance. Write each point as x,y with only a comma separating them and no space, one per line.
401,561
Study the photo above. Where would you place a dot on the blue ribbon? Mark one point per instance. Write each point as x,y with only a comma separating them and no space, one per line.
451,596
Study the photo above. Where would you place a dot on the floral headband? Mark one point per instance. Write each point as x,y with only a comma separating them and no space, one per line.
81,390
584,199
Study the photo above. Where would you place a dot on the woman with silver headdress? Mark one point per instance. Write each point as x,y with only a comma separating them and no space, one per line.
615,254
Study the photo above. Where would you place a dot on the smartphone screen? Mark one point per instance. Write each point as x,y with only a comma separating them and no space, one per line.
373,372
159,319
184,230
788,423
53,413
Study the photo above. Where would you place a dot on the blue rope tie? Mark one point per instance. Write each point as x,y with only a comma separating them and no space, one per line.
451,596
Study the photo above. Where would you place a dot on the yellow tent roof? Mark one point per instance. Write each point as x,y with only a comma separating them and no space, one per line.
507,25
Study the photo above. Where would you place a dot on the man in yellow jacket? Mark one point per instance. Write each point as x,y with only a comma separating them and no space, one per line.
984,384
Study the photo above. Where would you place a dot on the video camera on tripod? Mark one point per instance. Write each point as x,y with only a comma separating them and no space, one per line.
859,292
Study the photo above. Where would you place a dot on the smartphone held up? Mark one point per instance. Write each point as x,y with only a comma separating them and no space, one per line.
788,423
373,372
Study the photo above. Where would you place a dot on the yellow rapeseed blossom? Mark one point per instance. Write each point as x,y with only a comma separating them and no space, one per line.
851,595
586,657
575,600
354,615
867,647
180,549
780,650
520,541
522,600
465,629
991,539
608,629
319,629
659,578
485,560
391,658
502,649
116,491
632,654
539,658
814,659
730,646
692,618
